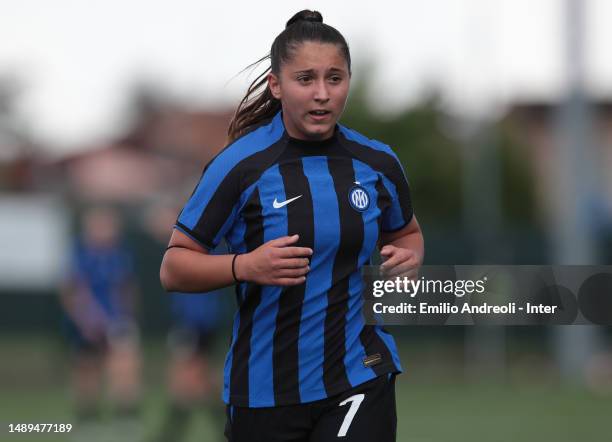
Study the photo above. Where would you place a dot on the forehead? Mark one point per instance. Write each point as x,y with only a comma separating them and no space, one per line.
317,56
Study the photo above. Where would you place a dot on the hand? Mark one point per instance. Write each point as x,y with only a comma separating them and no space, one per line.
400,262
275,263
89,317
94,330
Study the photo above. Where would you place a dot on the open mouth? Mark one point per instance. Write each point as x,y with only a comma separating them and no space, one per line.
319,113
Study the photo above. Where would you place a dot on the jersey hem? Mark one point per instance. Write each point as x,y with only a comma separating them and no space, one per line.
397,229
191,234
243,401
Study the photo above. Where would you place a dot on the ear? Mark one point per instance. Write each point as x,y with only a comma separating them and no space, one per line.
274,85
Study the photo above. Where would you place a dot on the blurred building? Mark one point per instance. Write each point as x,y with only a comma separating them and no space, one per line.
163,154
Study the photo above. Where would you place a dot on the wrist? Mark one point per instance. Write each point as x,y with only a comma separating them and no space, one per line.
239,267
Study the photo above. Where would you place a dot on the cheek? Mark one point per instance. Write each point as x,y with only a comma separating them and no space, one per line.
295,98
342,93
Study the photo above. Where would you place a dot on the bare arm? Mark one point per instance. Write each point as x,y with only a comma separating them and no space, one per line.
190,268
80,306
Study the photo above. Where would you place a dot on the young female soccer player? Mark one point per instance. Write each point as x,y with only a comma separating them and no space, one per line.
302,202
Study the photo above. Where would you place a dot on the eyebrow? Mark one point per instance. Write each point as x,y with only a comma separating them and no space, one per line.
312,71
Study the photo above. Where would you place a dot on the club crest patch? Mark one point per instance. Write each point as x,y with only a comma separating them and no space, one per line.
359,198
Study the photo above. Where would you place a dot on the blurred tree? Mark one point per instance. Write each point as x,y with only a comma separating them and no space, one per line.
17,151
433,162
517,178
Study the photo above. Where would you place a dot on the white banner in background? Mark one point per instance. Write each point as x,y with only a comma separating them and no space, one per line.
34,242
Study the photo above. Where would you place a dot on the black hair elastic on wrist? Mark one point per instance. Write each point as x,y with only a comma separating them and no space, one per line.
177,246
234,269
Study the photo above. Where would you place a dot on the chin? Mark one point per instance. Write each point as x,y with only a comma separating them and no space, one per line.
319,131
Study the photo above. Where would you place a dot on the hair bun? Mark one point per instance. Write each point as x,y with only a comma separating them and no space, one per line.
306,15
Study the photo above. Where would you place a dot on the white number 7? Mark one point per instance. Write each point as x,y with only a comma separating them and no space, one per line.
356,401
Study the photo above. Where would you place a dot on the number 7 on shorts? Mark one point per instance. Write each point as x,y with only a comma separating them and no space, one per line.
355,401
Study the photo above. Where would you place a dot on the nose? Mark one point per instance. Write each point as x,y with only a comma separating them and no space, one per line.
321,93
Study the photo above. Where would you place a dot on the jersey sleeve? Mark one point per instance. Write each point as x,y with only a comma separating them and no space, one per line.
212,208
399,212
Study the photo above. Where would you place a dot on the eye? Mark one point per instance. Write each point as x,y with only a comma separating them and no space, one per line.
335,79
304,78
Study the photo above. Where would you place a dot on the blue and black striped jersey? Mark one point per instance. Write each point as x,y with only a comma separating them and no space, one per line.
302,343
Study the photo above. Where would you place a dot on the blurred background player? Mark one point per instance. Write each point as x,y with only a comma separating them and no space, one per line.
193,384
99,301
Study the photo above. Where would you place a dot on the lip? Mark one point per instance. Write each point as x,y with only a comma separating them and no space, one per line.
320,117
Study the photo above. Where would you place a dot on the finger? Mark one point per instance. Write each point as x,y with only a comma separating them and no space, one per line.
284,241
291,273
413,274
401,256
289,281
387,250
294,263
405,261
410,275
404,269
391,262
293,252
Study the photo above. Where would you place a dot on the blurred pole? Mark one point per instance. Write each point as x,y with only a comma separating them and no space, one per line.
485,345
572,229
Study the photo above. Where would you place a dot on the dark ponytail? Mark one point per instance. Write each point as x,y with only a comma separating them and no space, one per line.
259,104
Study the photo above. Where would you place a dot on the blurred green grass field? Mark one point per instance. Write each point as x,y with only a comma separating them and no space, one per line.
436,402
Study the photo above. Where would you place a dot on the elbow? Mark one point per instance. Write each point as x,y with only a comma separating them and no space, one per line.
166,277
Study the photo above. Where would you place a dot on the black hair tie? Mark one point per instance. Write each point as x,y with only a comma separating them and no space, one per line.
175,245
234,268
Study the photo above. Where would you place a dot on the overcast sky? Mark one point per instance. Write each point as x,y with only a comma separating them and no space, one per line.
78,59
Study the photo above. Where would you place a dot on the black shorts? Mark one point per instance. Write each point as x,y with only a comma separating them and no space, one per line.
365,413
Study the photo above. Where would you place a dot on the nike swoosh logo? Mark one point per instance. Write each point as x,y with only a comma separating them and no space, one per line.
278,205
